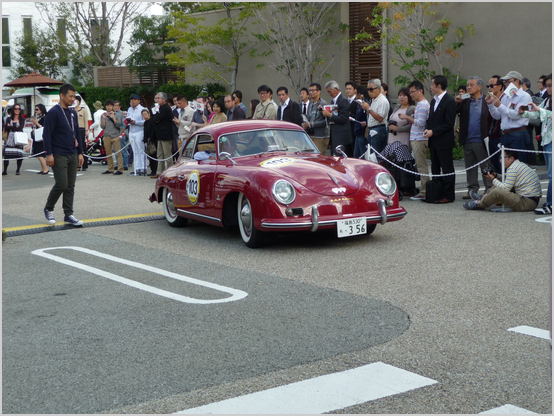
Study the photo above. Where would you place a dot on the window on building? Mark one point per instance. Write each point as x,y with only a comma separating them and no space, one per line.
27,28
98,27
6,54
62,36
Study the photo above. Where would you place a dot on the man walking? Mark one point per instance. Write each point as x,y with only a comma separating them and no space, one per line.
64,154
163,125
338,119
136,135
473,114
440,132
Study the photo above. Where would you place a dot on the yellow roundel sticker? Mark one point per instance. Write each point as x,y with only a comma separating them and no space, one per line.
277,162
193,187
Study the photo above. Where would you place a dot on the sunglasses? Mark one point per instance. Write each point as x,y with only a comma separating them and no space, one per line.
372,89
492,85
17,109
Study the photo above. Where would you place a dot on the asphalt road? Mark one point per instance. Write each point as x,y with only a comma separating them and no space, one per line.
433,294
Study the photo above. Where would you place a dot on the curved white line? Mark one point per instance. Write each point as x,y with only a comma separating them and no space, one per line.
235,293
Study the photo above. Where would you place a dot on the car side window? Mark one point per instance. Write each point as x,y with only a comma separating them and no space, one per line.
205,142
188,151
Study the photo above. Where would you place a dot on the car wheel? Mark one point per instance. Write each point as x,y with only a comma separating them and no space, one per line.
170,212
371,228
251,236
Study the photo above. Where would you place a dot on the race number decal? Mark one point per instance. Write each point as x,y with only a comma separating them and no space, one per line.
277,162
193,187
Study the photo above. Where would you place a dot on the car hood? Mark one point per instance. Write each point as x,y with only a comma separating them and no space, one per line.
322,175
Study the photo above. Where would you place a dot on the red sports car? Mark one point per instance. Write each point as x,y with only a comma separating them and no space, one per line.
267,176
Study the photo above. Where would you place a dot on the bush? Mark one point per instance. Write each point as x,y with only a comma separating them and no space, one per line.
146,92
457,152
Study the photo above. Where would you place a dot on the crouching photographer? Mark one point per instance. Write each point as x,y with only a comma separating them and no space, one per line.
520,191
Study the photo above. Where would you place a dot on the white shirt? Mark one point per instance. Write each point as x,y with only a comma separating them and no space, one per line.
283,106
438,100
334,102
136,114
381,106
507,112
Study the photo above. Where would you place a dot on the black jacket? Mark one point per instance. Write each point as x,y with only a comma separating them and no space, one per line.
291,113
442,123
163,121
462,109
340,129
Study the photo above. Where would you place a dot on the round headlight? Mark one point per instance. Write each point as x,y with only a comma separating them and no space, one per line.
385,183
284,192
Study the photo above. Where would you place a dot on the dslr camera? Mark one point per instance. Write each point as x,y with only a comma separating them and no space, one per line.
489,169
393,123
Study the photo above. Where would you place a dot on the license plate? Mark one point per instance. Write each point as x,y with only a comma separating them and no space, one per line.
352,226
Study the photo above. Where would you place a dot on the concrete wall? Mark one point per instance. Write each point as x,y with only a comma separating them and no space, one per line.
508,36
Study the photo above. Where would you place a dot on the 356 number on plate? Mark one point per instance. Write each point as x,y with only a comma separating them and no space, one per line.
350,227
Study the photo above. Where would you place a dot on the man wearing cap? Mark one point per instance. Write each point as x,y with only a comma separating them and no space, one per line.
505,109
136,135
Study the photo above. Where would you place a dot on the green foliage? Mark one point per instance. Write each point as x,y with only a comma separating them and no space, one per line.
418,41
4,233
39,53
202,45
147,92
150,43
457,152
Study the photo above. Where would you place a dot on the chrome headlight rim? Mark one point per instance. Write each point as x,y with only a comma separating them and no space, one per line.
386,192
278,198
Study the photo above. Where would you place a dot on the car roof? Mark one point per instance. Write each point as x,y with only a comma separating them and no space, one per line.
244,125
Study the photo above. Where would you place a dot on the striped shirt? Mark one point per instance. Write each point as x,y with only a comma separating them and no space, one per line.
522,179
421,114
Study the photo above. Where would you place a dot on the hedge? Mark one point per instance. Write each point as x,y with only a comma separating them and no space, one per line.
147,92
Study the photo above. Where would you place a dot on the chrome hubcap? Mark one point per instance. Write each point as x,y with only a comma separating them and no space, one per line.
246,216
170,205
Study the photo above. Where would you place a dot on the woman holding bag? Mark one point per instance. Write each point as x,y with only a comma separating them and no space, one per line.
38,146
14,123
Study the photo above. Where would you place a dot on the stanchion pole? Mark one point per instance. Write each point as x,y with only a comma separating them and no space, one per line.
503,208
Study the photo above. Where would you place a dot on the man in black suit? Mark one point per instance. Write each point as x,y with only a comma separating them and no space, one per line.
440,133
338,119
474,127
288,110
350,88
163,125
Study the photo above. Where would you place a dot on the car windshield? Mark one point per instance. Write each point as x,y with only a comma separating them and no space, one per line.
263,141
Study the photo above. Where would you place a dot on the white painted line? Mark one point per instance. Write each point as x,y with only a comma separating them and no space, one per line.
534,332
235,293
322,394
508,409
547,220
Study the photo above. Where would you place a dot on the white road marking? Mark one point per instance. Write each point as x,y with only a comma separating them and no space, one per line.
547,220
508,409
235,293
534,332
322,394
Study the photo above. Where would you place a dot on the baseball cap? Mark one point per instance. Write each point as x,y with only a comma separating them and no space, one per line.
512,74
135,97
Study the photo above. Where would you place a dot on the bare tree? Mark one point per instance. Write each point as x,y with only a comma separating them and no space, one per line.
298,38
97,29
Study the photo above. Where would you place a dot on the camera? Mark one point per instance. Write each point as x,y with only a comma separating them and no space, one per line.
489,170
320,109
393,123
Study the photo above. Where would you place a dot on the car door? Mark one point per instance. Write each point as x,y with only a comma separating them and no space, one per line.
196,180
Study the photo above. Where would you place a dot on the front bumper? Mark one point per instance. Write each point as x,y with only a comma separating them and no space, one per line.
316,222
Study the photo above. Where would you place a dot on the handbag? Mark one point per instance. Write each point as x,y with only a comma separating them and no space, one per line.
21,138
151,149
38,134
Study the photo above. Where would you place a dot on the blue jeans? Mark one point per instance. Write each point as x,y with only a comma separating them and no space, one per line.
378,141
516,140
360,146
124,152
548,161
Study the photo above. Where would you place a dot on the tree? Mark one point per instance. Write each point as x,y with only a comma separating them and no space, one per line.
418,41
151,44
37,52
298,36
214,49
96,30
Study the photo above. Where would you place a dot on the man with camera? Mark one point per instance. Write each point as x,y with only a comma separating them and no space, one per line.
473,112
316,126
520,191
111,124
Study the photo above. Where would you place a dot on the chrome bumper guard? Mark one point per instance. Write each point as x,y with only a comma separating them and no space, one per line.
314,223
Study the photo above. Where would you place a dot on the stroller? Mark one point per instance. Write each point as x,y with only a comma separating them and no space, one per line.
95,148
400,155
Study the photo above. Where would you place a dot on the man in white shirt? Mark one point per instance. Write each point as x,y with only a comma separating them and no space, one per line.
304,101
136,135
184,121
505,109
377,115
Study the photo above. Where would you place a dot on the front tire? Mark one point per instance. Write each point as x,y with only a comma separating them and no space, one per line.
170,212
251,236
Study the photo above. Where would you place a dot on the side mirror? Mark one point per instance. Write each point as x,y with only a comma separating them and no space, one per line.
226,156
340,149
